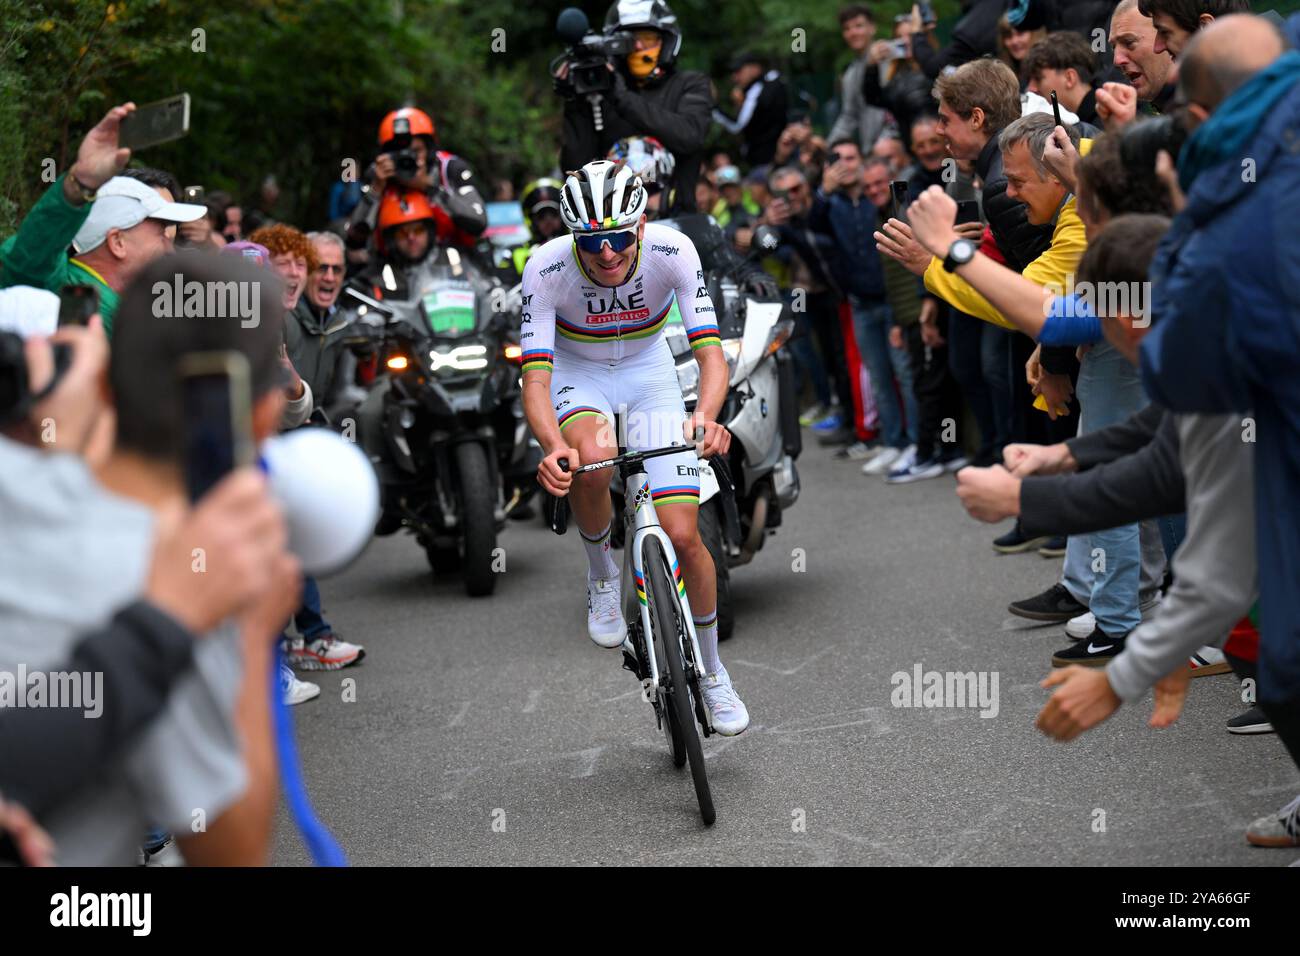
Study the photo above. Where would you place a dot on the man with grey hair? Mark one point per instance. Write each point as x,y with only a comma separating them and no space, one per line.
815,261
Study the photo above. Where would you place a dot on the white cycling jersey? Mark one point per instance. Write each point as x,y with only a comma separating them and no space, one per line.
566,312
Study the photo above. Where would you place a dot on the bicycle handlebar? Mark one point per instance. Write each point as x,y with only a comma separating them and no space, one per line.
627,458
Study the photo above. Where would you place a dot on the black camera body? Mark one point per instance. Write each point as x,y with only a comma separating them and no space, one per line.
16,395
406,165
1142,141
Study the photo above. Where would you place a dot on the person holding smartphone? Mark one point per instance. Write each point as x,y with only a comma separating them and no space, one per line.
115,224
213,748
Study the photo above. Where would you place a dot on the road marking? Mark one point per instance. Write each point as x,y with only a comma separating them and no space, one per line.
785,672
460,715
533,697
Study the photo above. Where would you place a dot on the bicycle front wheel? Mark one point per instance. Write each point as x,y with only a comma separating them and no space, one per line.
666,621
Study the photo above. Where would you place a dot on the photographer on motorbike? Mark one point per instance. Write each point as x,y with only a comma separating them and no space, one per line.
409,159
408,226
647,95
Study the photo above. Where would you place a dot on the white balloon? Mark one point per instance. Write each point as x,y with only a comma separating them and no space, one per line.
329,493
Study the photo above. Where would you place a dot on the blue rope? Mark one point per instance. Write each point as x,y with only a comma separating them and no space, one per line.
322,846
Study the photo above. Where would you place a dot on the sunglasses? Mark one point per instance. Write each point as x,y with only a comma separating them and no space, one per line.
594,242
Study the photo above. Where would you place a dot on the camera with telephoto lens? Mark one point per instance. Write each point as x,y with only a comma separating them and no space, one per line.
1142,141
406,164
590,54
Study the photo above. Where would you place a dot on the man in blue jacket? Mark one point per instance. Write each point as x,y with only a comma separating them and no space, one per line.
1226,301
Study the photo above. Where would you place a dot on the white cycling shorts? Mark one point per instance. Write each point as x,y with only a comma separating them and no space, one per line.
642,390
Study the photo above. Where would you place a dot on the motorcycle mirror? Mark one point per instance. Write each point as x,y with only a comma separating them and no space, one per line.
766,239
362,299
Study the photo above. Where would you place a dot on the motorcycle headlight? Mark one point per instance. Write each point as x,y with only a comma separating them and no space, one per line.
462,358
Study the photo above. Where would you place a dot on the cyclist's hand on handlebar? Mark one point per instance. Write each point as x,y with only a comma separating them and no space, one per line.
709,438
552,477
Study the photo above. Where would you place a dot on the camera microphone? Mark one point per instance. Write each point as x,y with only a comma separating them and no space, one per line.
571,25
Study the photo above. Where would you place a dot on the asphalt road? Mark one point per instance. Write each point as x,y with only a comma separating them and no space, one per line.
492,731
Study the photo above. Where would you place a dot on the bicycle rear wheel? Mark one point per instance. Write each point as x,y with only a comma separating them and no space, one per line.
668,630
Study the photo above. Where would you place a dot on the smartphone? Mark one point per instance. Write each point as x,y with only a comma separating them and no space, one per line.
77,303
155,123
927,12
968,210
1056,109
194,194
216,405
898,50
898,189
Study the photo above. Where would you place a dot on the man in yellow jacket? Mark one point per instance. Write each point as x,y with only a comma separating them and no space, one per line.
1047,200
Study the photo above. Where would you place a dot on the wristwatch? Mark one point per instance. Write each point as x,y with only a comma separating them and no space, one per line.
959,253
87,194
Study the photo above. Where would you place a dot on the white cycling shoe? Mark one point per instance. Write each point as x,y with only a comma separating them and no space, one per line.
726,708
605,623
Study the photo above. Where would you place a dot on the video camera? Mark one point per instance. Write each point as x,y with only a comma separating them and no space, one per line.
589,56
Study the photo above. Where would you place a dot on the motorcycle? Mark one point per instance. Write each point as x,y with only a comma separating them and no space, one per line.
444,423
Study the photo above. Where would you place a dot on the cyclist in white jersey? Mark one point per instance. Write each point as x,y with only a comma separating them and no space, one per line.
595,304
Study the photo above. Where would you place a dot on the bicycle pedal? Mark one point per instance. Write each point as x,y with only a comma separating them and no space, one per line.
630,664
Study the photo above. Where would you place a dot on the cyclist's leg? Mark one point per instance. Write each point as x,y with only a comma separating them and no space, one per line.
585,420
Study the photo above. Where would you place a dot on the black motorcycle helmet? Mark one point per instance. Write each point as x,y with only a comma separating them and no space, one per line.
540,194
631,15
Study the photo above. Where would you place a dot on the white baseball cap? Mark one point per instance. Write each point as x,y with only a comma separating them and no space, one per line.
28,312
1033,103
122,203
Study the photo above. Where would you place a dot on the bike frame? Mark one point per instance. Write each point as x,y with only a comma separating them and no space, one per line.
642,522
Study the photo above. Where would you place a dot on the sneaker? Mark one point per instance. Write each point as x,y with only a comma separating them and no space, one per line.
829,424
1015,541
1054,547
328,652
884,460
917,471
296,691
1277,829
604,616
858,451
1207,662
1077,628
955,463
836,436
813,413
1252,721
1056,605
1096,651
726,710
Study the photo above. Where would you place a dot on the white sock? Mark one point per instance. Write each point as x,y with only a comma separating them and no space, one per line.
706,631
600,562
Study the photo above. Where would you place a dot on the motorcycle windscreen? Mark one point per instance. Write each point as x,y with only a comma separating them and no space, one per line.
450,309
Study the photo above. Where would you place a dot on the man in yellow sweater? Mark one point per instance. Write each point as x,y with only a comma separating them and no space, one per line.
1047,200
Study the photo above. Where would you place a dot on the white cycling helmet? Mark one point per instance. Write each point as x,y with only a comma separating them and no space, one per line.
602,197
